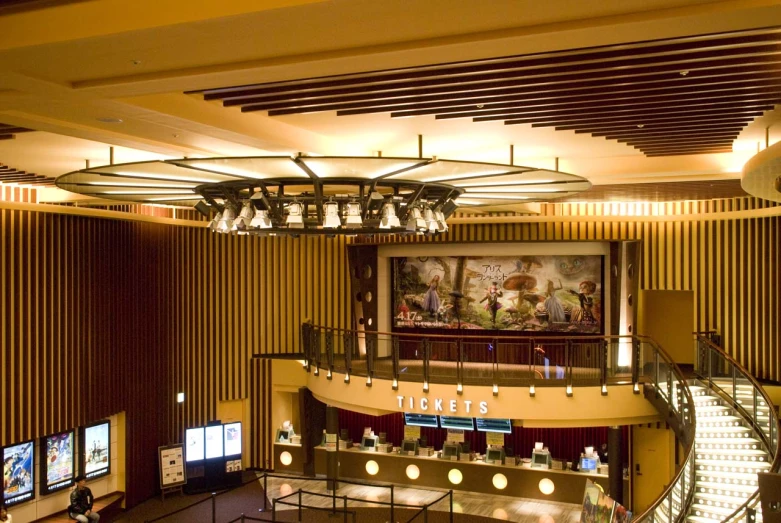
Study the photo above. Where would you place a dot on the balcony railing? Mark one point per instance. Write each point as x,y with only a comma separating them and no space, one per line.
521,361
744,393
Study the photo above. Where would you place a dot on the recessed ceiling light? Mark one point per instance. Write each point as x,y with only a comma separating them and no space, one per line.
684,73
135,62
640,125
109,119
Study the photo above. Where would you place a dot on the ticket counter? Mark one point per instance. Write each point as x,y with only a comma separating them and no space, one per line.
473,476
289,457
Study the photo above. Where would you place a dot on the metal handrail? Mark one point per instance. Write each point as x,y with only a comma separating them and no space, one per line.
684,478
704,343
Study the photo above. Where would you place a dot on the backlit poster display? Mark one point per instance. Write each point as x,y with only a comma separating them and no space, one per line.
96,450
214,441
194,444
18,473
58,468
232,439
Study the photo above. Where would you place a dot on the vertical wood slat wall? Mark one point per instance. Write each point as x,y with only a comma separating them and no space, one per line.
101,316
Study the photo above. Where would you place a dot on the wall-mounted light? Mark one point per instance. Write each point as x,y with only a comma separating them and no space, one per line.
395,384
496,389
317,370
604,389
347,378
368,381
425,386
499,481
455,477
569,390
286,458
372,468
459,388
532,391
546,486
413,472
180,397
329,376
636,388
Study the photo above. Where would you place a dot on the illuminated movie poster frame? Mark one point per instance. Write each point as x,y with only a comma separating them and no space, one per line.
27,495
45,460
539,293
84,447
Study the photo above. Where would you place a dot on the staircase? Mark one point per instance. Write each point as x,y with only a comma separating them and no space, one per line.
728,455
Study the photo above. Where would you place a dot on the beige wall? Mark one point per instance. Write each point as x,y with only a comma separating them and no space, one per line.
652,463
667,317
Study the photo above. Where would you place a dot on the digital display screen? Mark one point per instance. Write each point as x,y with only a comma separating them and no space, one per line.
58,468
494,425
193,444
213,439
18,473
96,449
421,420
588,464
455,422
232,439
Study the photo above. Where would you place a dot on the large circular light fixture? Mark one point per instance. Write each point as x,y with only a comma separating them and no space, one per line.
286,458
372,467
455,477
413,472
546,486
325,194
499,481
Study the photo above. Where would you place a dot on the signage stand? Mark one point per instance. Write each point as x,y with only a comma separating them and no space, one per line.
173,474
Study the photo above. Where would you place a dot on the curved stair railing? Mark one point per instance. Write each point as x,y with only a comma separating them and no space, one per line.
522,361
731,383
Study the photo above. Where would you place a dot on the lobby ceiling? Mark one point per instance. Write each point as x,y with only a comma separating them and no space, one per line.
625,93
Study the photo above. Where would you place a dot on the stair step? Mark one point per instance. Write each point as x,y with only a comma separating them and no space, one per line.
713,487
700,519
721,465
737,431
710,476
736,455
713,509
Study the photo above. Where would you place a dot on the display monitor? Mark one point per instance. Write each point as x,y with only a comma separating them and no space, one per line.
588,464
494,456
284,435
450,450
57,464
213,439
456,422
194,444
409,445
494,425
232,432
369,443
541,460
18,473
421,420
96,450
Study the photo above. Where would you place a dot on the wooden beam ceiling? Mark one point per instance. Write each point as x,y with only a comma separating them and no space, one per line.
689,95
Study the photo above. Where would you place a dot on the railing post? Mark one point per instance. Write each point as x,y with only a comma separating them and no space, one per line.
274,510
710,368
329,352
214,507
265,491
425,514
300,510
426,359
392,502
451,505
242,517
345,509
495,362
635,363
603,378
395,345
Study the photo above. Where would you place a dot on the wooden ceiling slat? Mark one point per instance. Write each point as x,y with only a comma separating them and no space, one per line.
598,109
575,75
636,118
672,128
686,153
601,99
611,57
731,136
745,76
662,97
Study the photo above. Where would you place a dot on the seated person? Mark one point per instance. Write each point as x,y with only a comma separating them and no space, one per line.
5,517
80,508
602,453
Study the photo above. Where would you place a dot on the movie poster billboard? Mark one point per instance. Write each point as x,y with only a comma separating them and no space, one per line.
96,446
18,473
58,470
518,293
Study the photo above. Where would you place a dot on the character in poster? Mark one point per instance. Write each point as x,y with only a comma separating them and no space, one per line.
492,295
590,502
586,312
431,299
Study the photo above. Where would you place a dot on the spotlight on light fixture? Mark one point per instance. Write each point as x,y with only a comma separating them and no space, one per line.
431,221
331,220
353,220
243,222
295,216
441,223
215,222
389,218
449,208
415,222
261,220
226,221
